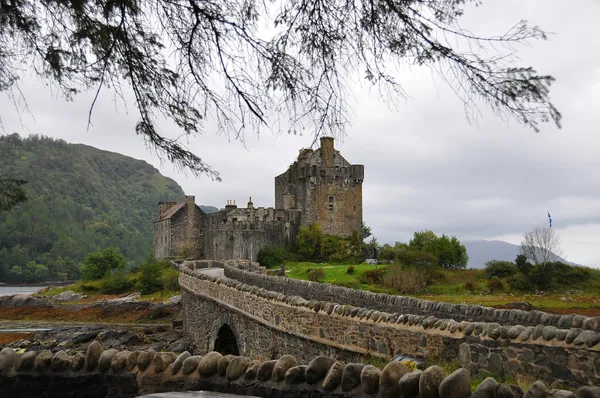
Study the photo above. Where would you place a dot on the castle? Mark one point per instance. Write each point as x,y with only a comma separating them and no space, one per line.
320,186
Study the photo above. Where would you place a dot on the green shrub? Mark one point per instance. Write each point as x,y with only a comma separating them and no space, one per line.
151,276
495,284
170,279
500,269
405,281
520,283
470,286
350,270
270,257
99,263
116,283
316,275
373,276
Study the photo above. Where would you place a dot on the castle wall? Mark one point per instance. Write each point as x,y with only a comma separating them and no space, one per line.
162,239
267,323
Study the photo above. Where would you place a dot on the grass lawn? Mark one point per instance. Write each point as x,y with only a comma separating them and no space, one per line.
450,287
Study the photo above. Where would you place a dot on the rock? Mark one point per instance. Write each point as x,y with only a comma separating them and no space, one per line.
9,360
26,362
43,360
179,361
265,370
295,375
92,355
69,295
83,337
282,366
536,390
457,385
369,378
351,376
223,364
560,394
162,360
572,334
119,361
60,361
588,392
430,381
508,391
318,368
106,359
390,376
77,361
209,363
132,360
174,300
548,333
585,337
119,339
237,367
190,364
486,389
180,345
333,377
409,384
252,370
145,358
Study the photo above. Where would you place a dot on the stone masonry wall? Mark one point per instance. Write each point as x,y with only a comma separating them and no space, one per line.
410,305
257,315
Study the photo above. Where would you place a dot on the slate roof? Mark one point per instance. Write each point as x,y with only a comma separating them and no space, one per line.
171,211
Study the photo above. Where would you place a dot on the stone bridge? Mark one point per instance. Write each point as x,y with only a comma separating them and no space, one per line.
247,313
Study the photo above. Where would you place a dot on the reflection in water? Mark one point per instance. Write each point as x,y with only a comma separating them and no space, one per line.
194,394
8,290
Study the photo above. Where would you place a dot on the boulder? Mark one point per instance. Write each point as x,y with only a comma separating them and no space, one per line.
560,394
265,370
282,366
317,368
190,364
536,390
26,362
223,364
351,376
237,367
390,376
179,361
145,358
162,360
295,375
333,377
409,384
43,360
430,381
457,385
486,389
92,355
589,392
509,391
9,360
209,363
369,378
78,361
105,360
60,361
180,345
69,295
119,361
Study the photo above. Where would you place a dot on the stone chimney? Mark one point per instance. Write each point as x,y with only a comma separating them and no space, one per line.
250,204
230,205
161,209
327,151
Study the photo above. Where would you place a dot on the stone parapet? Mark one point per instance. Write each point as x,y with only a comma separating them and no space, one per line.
569,356
112,373
410,305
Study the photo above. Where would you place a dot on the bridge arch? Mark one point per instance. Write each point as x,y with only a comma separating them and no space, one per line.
226,342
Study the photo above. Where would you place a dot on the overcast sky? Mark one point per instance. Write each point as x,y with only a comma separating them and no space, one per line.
426,166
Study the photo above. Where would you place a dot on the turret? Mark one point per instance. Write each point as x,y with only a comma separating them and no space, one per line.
327,151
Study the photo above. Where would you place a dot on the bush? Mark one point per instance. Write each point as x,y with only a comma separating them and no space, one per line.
500,269
495,284
373,276
270,257
151,276
350,270
116,283
99,263
520,283
316,275
170,279
406,281
470,286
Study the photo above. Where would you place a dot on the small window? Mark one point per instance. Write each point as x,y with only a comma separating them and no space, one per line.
331,203
314,171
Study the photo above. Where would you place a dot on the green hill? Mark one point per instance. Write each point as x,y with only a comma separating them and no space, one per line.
80,199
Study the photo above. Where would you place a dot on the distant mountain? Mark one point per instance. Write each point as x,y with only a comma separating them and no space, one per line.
481,251
80,199
209,209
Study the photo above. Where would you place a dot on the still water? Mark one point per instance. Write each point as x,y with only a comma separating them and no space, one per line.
6,290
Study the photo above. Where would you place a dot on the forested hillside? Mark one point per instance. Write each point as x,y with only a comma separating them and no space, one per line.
80,199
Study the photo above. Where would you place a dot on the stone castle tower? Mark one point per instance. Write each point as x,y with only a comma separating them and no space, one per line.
325,188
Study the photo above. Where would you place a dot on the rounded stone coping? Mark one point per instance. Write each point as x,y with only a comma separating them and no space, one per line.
322,375
388,302
585,339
